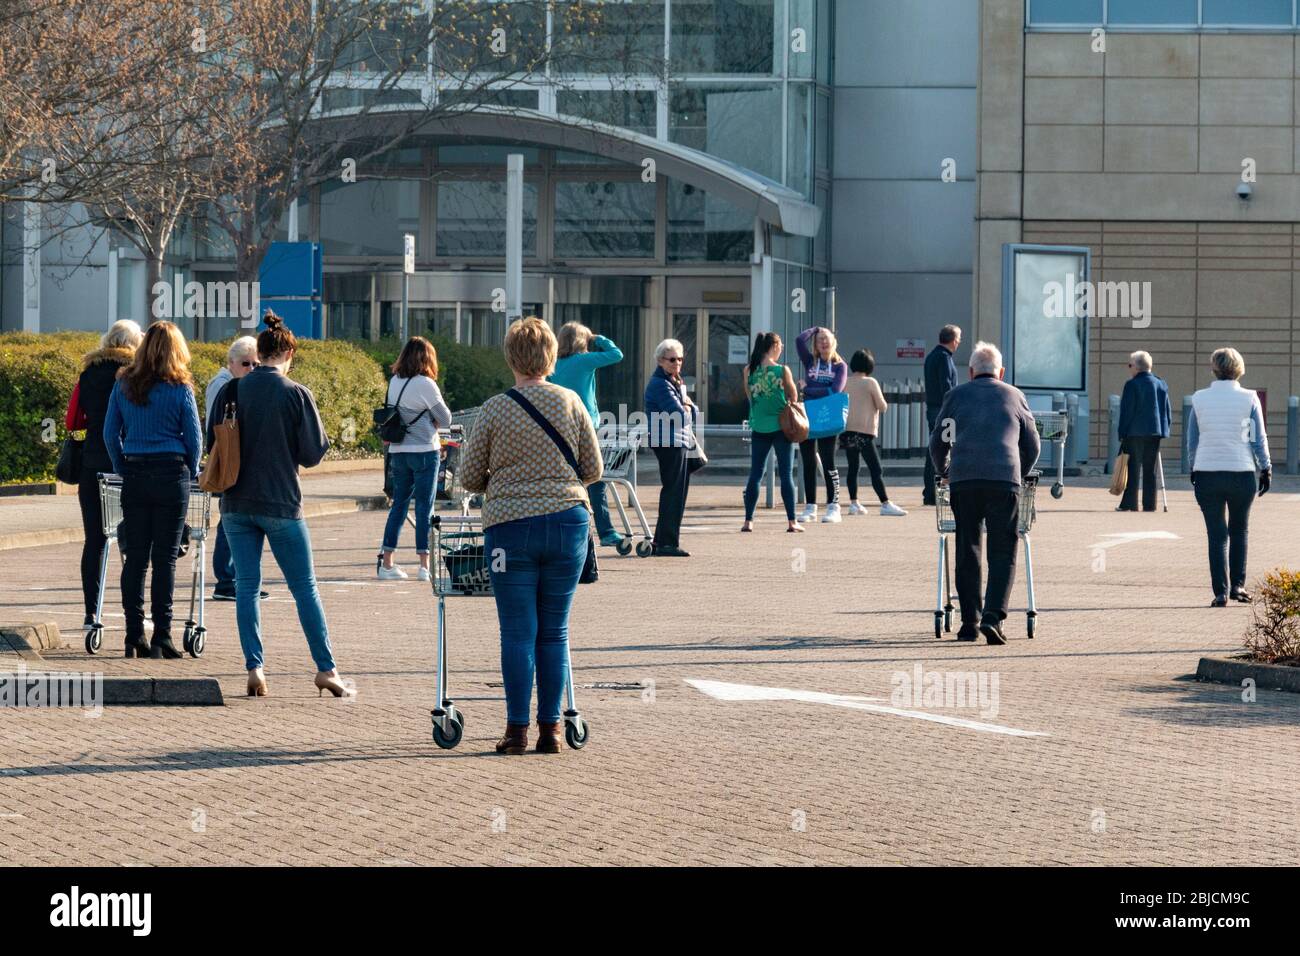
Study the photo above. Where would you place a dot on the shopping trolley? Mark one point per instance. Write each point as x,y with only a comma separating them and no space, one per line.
618,449
198,511
946,525
460,569
1055,427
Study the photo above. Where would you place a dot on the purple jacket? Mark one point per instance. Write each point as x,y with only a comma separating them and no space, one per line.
819,378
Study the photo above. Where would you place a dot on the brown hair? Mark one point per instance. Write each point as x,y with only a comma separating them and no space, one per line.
163,356
276,340
574,338
418,357
530,347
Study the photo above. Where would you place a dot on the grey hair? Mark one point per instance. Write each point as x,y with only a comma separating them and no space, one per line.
122,334
244,345
985,359
662,348
1228,364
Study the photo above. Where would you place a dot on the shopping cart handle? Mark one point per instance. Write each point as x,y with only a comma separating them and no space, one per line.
1032,477
435,521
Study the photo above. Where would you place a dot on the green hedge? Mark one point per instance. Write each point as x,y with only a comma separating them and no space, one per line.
468,375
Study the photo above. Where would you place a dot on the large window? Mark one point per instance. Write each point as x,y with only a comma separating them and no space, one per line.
470,34
630,109
728,121
725,36
368,218
620,38
595,220
1162,13
472,218
703,228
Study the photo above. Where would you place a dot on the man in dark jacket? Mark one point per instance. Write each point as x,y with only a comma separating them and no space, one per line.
672,417
984,443
1144,419
940,379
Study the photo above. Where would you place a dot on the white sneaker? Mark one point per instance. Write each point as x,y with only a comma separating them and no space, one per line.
424,574
809,513
392,574
892,510
857,509
832,515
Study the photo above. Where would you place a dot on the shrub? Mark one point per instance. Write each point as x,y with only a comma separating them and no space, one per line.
39,370
1274,633
468,375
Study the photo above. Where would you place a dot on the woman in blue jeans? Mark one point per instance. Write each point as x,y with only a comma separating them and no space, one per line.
279,431
413,462
770,387
535,519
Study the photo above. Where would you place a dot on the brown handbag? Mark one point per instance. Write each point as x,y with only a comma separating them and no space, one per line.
794,422
1120,476
222,469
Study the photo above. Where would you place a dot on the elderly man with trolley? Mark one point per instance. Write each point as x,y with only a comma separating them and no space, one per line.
983,445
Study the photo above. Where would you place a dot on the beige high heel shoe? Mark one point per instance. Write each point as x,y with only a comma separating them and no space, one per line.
329,681
256,683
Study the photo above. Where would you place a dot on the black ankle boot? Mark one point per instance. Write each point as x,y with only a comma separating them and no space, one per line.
163,648
137,646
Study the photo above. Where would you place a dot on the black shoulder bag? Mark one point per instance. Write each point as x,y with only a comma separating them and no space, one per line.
590,572
388,420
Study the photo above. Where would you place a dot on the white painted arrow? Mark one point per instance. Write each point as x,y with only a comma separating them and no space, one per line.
1128,537
746,692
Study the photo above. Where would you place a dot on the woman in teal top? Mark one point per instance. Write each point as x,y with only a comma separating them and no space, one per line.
770,387
581,353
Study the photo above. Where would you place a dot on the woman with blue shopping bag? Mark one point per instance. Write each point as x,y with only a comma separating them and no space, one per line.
824,375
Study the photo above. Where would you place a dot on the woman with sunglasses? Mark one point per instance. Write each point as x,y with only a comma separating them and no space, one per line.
241,358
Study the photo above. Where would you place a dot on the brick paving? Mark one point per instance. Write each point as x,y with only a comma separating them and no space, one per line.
1140,765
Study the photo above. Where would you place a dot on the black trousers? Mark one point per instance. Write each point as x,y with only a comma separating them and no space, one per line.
1142,451
675,478
92,525
154,499
811,450
1233,491
865,445
999,509
931,417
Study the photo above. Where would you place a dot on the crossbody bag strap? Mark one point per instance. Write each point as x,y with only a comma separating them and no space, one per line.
547,427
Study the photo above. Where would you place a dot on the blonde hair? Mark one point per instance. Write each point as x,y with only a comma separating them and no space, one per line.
163,356
835,346
574,338
1227,364
122,334
530,348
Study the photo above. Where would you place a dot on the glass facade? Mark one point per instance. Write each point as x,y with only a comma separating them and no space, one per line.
471,219
1163,14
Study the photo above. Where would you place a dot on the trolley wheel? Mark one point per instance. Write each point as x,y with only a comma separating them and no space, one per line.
644,549
195,641
451,738
938,625
1058,489
624,547
1029,627
94,639
576,733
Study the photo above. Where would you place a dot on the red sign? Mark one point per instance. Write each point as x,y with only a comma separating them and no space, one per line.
911,348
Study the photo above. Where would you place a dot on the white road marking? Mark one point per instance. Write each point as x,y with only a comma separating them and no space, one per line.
745,692
1128,537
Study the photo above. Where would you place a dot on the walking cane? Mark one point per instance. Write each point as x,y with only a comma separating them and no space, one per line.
1160,470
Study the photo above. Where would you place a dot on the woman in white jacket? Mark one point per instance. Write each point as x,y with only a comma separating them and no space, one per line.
413,460
1227,445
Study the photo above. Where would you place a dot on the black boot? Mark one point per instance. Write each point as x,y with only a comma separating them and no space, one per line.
163,648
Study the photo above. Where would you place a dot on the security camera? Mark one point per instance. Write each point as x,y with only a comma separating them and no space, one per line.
1244,192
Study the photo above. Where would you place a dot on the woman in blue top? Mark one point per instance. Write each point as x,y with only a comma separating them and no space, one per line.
581,353
151,432
824,373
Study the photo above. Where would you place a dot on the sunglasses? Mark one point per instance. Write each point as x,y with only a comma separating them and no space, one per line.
250,364
673,358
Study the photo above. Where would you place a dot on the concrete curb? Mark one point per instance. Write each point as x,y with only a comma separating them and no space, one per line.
162,692
1220,670
28,640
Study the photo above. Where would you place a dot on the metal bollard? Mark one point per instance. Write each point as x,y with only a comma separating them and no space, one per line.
921,438
1071,435
1293,435
905,419
1112,441
1186,451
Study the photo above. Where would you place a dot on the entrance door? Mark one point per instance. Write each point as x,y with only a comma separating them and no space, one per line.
726,352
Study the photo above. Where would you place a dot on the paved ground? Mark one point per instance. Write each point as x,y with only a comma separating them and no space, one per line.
1135,765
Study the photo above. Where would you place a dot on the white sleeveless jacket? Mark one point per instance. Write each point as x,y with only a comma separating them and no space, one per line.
1228,430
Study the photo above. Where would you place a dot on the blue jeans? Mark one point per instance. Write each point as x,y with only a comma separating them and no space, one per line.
291,547
223,563
760,444
414,474
535,564
600,509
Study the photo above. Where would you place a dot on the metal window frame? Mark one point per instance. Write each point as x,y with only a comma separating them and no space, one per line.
1199,27
1009,252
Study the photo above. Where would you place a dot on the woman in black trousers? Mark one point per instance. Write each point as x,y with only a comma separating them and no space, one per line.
672,416
86,410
